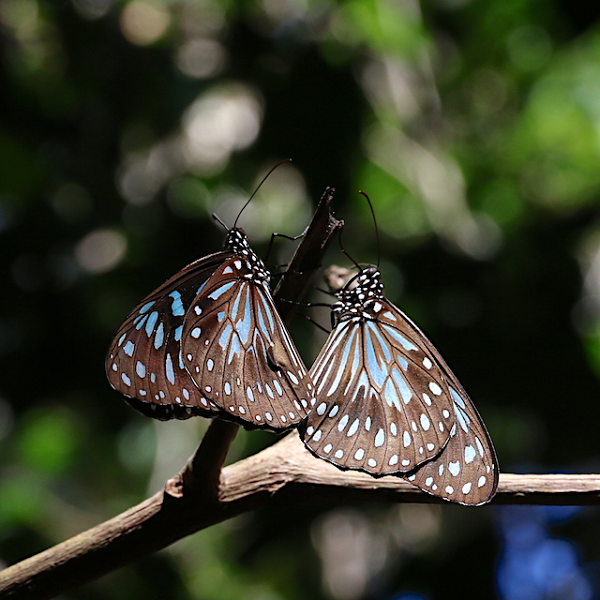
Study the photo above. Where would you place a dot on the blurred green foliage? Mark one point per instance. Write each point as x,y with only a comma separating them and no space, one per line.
475,129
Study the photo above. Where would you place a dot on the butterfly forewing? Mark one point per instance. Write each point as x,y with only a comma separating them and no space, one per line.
239,353
376,389
144,363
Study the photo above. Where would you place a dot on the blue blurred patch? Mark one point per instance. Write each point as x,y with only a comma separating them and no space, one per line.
533,565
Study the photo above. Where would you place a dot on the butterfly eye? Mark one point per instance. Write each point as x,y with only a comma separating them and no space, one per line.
388,404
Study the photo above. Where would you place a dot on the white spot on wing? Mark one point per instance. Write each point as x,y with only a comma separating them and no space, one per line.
436,390
469,454
454,468
406,439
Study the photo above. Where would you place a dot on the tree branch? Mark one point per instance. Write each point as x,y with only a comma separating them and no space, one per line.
284,474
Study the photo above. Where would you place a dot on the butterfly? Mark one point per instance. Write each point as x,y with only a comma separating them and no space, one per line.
388,404
210,342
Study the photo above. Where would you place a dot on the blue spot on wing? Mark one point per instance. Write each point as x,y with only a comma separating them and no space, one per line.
403,362
221,290
261,320
224,339
356,359
159,336
140,369
406,344
462,418
236,303
151,322
391,394
243,325
376,370
176,305
146,307
401,384
268,311
178,333
343,361
381,340
139,321
234,348
456,397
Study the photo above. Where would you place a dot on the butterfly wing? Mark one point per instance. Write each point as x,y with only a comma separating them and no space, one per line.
239,353
143,362
384,407
467,469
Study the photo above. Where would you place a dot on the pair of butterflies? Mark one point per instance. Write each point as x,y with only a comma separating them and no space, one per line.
379,398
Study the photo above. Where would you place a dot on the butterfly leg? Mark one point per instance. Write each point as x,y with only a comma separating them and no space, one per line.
283,235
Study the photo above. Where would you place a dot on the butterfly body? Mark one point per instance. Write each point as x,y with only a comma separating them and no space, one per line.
389,405
201,345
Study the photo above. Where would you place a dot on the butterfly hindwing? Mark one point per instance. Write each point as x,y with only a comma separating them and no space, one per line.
143,362
376,388
467,470
239,353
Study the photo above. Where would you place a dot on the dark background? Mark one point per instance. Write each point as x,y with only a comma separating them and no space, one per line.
475,129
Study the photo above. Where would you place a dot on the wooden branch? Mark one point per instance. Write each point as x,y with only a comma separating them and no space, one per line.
283,475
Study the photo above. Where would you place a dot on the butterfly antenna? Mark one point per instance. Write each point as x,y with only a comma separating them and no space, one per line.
220,221
258,188
374,223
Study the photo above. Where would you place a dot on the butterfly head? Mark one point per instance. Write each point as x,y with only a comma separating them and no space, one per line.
365,287
236,242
